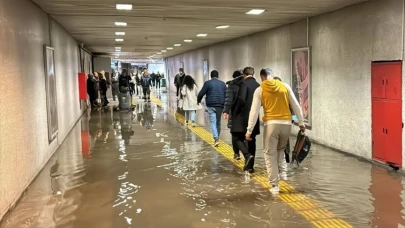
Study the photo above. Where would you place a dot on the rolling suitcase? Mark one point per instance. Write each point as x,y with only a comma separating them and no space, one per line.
301,148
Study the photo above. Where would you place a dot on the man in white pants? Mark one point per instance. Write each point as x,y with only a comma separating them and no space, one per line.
277,98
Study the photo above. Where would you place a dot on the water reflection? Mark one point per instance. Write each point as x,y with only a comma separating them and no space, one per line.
144,169
387,198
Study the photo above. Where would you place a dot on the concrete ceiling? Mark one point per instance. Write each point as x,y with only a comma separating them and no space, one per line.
154,25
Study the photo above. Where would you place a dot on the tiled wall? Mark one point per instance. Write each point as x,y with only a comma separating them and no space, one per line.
24,146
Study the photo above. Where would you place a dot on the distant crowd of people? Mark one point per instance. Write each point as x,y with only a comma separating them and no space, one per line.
125,83
239,101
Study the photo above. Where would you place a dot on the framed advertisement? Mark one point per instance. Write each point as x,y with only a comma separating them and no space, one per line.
301,80
205,70
51,95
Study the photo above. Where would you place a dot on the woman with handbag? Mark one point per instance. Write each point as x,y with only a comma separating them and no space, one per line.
188,103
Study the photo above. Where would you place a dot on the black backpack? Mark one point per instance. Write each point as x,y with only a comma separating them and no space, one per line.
301,148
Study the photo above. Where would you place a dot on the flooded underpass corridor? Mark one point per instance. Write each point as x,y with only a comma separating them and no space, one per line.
146,169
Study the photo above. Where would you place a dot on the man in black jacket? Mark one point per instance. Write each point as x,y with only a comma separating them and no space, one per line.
231,94
178,81
240,118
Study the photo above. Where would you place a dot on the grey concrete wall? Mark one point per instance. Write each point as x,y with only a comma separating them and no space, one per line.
343,43
24,146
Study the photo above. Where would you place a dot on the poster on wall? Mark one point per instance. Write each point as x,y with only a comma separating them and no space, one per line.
51,96
205,70
301,80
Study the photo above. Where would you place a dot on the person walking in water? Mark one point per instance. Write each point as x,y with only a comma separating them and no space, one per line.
146,82
178,82
240,118
231,94
215,91
189,92
277,98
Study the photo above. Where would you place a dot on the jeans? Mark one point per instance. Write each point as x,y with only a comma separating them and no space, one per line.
157,84
215,115
275,140
190,115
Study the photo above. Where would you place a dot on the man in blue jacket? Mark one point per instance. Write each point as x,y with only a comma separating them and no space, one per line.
215,91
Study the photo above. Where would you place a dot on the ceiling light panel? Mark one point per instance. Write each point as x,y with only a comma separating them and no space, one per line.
202,35
164,51
121,23
120,33
222,26
256,11
188,41
177,45
119,40
124,6
169,48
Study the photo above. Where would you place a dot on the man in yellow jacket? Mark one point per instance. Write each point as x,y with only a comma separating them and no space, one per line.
276,98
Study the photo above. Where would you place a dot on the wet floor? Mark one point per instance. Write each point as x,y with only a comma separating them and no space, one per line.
145,169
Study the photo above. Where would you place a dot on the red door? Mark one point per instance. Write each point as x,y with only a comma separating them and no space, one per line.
378,130
393,125
387,112
393,80
378,80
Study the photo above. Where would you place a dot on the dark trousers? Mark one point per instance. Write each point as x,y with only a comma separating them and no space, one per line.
146,93
246,147
131,89
105,102
178,91
157,84
92,97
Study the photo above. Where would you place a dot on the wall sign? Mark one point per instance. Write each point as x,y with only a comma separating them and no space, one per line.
301,80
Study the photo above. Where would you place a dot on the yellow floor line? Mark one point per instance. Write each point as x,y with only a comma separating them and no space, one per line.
303,205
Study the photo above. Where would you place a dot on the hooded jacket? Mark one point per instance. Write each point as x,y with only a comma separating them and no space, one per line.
277,98
275,101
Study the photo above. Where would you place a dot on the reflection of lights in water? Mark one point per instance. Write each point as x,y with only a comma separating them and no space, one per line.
127,189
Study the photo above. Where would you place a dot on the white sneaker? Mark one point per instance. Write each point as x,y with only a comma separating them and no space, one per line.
275,190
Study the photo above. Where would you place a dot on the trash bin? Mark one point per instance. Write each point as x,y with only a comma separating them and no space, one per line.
124,101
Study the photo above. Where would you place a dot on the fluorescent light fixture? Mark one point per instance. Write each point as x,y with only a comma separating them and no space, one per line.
177,45
118,48
164,51
169,48
121,23
188,41
256,11
202,35
222,26
124,6
120,33
119,40
158,53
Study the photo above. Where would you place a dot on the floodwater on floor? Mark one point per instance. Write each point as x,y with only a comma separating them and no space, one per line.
146,169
